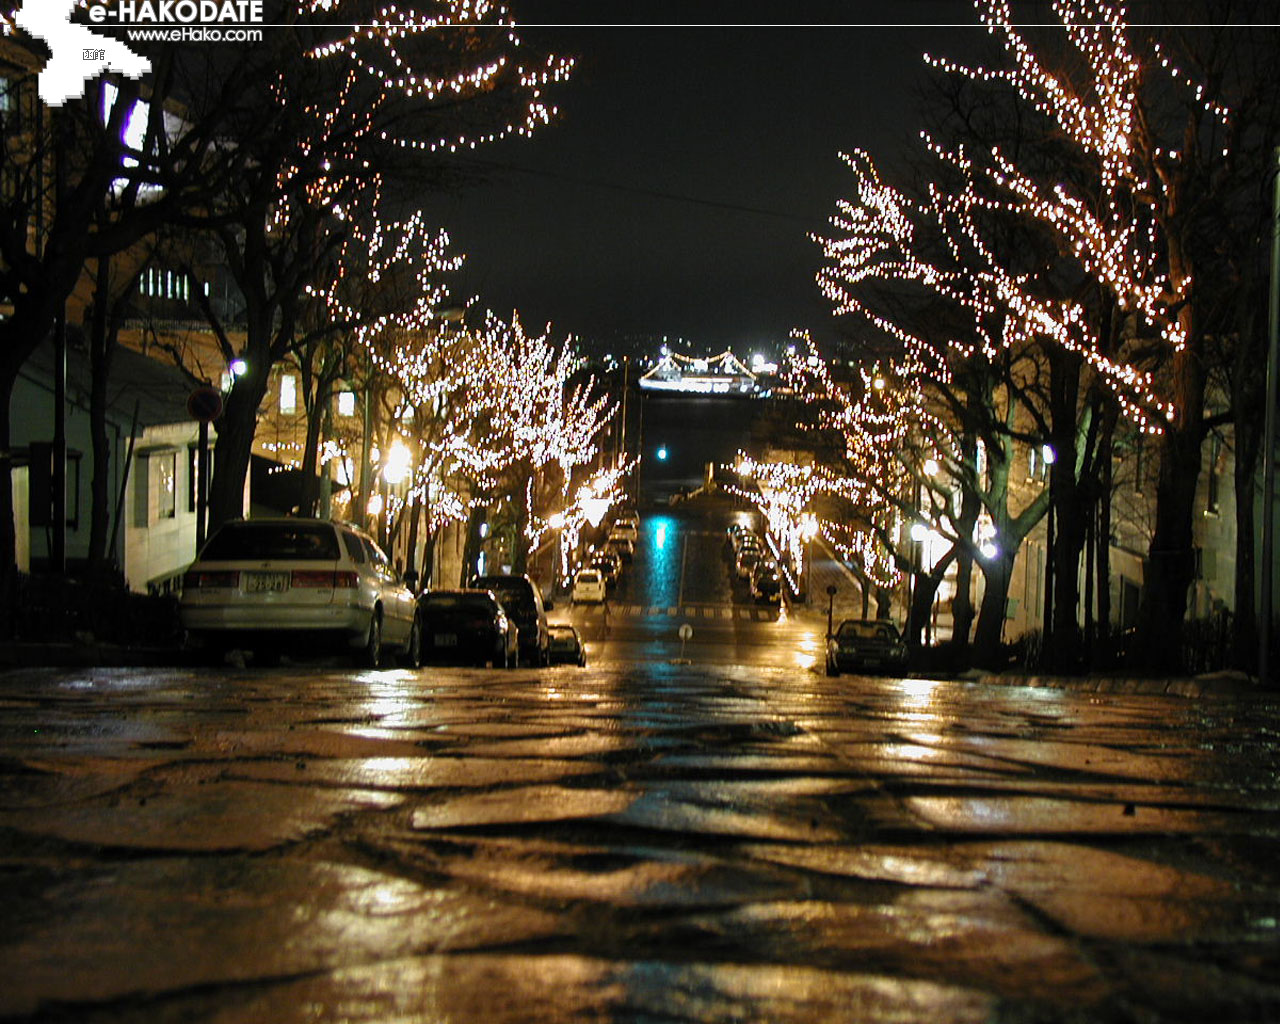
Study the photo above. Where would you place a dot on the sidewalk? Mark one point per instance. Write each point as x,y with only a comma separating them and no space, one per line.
826,570
33,654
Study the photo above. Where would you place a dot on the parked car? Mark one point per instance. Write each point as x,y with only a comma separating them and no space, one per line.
746,563
468,626
622,547
609,564
630,520
766,583
746,540
567,646
866,645
523,602
588,587
625,530
269,585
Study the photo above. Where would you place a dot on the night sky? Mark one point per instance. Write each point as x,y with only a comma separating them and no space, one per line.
695,152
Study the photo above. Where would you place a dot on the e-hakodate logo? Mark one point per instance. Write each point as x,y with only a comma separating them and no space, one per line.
79,54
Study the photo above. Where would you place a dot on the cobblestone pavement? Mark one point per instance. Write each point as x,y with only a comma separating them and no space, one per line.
664,843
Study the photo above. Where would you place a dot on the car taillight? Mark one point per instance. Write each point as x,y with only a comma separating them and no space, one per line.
314,578
207,580
346,579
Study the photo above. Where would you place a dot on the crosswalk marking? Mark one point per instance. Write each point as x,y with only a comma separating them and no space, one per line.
721,612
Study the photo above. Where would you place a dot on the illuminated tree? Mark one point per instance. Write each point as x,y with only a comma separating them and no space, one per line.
539,422
1143,149
352,94
505,412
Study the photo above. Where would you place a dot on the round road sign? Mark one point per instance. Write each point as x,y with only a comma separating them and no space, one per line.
205,404
685,631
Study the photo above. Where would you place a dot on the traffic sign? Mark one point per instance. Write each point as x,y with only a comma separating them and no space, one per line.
205,404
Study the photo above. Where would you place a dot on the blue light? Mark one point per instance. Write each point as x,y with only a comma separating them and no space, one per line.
661,538
662,453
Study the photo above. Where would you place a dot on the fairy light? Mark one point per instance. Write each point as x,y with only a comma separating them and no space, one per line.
1116,235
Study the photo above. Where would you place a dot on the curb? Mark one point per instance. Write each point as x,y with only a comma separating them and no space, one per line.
73,655
1220,685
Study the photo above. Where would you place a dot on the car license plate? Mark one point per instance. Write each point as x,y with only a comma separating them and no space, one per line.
446,640
266,582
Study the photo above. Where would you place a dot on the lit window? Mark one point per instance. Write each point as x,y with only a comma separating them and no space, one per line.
164,485
346,403
288,393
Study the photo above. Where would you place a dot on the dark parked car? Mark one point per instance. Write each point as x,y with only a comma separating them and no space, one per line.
566,646
468,626
609,564
866,645
766,583
523,603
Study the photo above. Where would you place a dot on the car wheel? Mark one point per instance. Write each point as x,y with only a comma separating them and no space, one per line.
371,656
831,668
412,656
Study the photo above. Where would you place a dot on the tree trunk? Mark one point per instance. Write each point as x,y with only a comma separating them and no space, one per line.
1064,647
520,541
924,589
1170,567
1102,640
962,610
997,573
101,349
471,549
234,449
311,484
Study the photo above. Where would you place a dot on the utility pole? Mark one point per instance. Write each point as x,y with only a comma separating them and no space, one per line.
1269,443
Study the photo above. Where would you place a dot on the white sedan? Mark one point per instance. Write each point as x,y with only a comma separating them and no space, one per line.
267,585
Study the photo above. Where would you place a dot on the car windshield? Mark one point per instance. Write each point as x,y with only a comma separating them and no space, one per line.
512,591
465,602
867,631
301,541
588,577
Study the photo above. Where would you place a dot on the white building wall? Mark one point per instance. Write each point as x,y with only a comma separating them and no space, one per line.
160,519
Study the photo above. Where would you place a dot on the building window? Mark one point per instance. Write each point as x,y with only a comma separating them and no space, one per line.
164,485
288,393
346,403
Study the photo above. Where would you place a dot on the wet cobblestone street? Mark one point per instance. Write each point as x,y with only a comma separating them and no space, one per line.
658,843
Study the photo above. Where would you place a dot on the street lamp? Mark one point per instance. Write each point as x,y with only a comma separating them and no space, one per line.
1050,457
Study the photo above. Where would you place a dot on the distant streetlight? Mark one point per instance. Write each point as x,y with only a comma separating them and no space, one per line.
662,453
398,463
595,509
919,532
238,367
930,467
